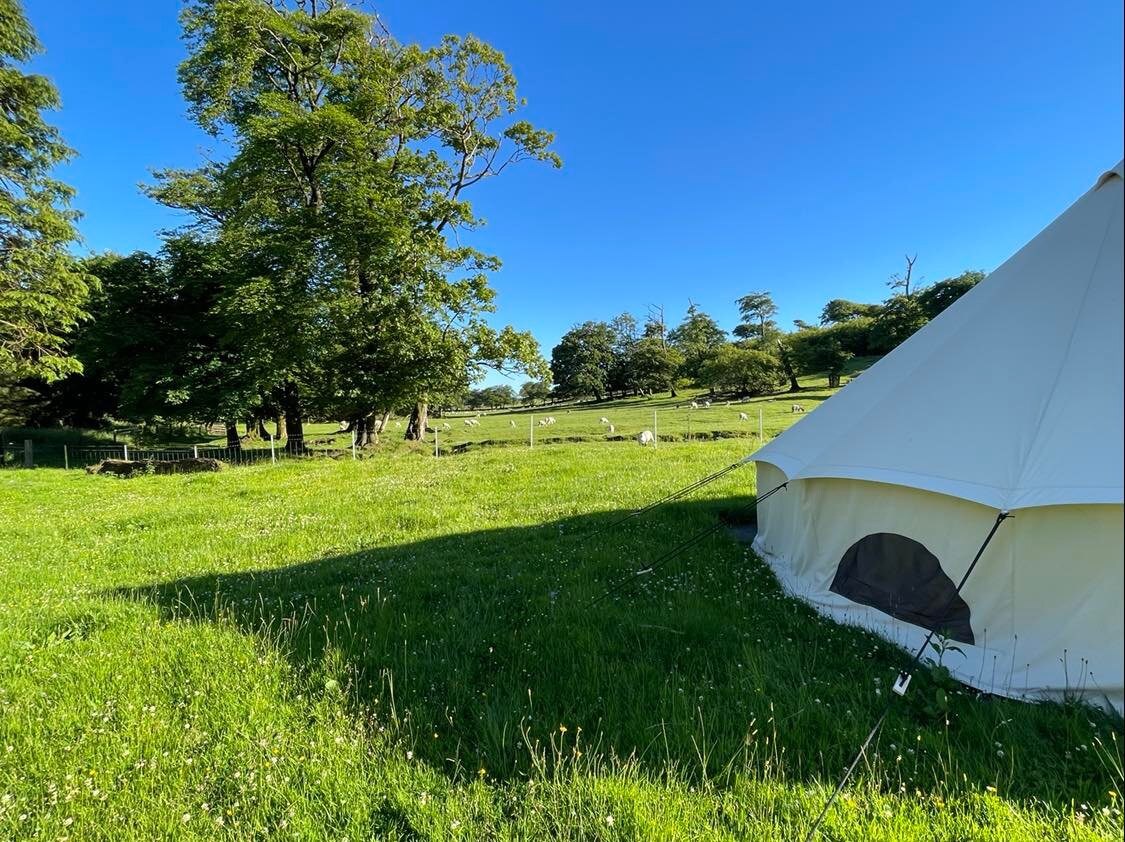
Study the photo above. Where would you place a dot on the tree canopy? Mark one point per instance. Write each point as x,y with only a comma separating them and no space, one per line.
42,289
352,158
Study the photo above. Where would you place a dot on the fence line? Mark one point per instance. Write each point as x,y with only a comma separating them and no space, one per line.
30,453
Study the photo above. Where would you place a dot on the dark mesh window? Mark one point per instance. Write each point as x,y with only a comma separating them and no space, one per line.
902,578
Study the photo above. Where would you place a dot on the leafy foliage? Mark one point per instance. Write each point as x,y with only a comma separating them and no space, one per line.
936,297
695,338
841,310
743,371
42,289
582,361
757,310
352,155
535,391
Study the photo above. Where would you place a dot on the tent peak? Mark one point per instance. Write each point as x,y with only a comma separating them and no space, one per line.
1109,175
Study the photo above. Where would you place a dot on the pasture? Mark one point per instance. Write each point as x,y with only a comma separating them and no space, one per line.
405,648
673,419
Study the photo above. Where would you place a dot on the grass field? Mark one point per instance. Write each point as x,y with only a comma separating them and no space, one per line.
404,648
672,419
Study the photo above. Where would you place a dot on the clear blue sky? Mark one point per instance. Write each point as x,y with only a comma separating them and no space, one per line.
710,149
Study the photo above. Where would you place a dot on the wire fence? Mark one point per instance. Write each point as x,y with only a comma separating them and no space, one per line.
30,453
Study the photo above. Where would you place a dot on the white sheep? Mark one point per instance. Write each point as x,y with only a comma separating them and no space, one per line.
645,437
742,416
612,429
468,422
550,420
796,408
542,422
694,405
603,420
512,423
707,404
445,425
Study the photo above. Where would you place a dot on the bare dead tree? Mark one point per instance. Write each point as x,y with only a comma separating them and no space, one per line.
903,281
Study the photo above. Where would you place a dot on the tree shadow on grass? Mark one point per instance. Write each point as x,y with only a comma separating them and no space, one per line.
484,651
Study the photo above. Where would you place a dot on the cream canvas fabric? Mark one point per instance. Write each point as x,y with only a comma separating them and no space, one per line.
1010,400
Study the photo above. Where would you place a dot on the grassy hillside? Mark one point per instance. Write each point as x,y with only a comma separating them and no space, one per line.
405,648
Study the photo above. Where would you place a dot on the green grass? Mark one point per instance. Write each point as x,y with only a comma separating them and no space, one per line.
403,648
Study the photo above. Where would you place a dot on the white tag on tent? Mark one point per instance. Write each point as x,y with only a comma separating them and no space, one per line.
901,683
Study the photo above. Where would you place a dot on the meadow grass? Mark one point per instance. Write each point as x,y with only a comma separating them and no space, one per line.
404,647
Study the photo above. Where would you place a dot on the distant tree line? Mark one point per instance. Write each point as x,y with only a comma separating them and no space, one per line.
605,359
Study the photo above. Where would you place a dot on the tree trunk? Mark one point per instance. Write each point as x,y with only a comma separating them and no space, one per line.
233,441
363,425
787,367
279,422
295,422
263,433
416,428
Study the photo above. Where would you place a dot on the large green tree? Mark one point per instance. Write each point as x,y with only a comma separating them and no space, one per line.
583,360
743,371
757,310
695,338
653,365
352,155
42,288
820,351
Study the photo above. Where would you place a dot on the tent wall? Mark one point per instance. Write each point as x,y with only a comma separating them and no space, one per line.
1045,598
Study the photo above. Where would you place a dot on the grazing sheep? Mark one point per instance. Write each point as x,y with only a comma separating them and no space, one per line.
796,408
550,420
742,416
542,422
694,405
645,437
512,423
707,404
445,425
612,429
603,420
468,422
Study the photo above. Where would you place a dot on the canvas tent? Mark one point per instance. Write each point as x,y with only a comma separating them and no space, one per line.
1009,401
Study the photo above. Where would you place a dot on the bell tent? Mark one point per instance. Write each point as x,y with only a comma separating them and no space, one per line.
1010,401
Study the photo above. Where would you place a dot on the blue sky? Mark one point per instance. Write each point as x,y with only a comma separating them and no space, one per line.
710,149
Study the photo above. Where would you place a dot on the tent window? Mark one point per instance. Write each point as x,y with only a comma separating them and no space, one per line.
900,577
